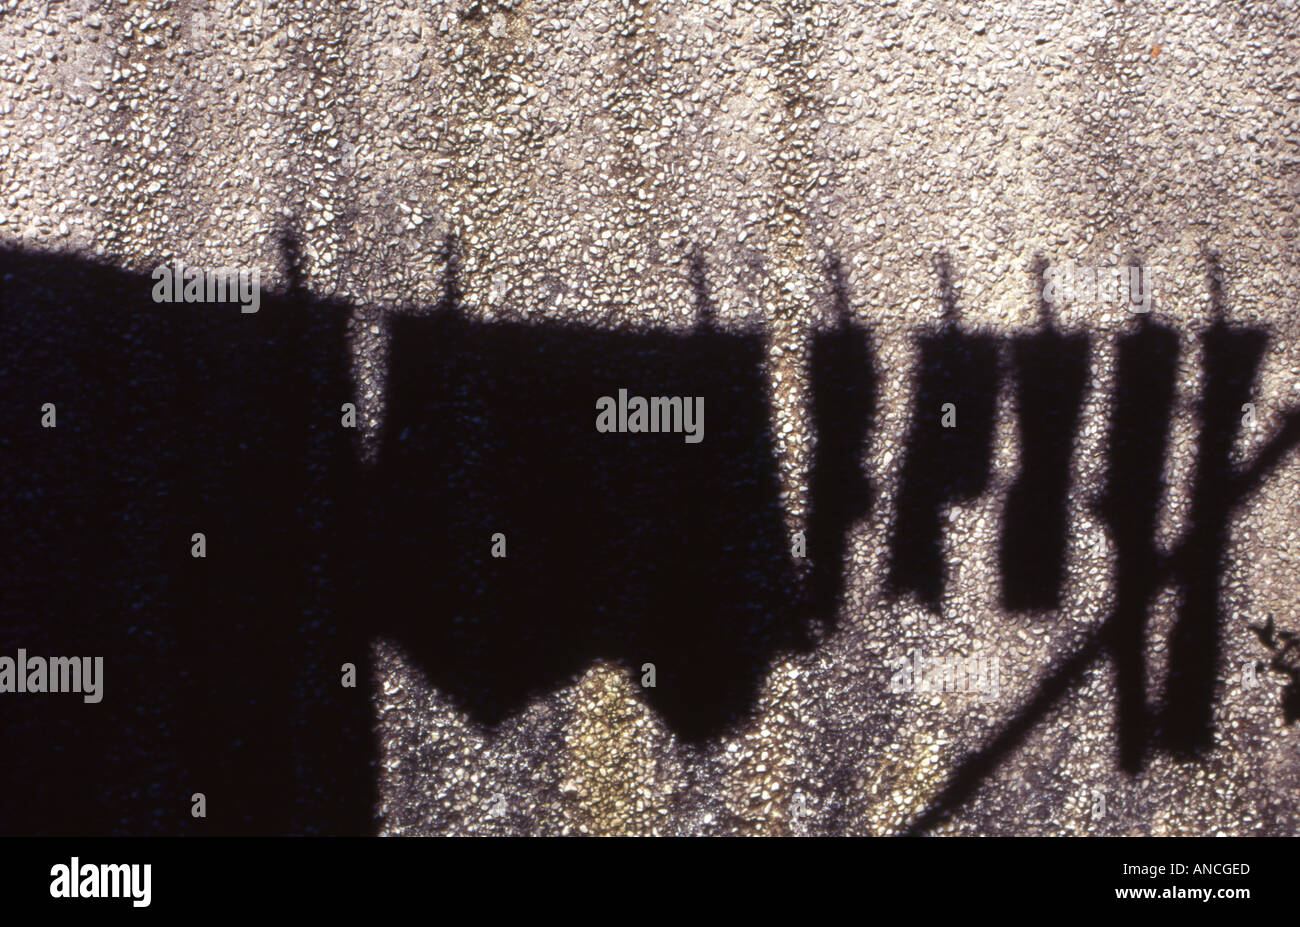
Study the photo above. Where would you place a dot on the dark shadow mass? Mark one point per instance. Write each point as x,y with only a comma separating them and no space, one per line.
1232,357
1146,372
942,465
223,674
843,408
632,547
1051,372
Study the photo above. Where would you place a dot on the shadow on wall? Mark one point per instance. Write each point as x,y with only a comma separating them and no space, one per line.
1142,407
948,453
223,673
636,547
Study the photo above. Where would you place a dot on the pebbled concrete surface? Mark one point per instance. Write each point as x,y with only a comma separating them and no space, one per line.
595,159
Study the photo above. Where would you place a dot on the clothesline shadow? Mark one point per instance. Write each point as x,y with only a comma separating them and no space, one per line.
223,673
